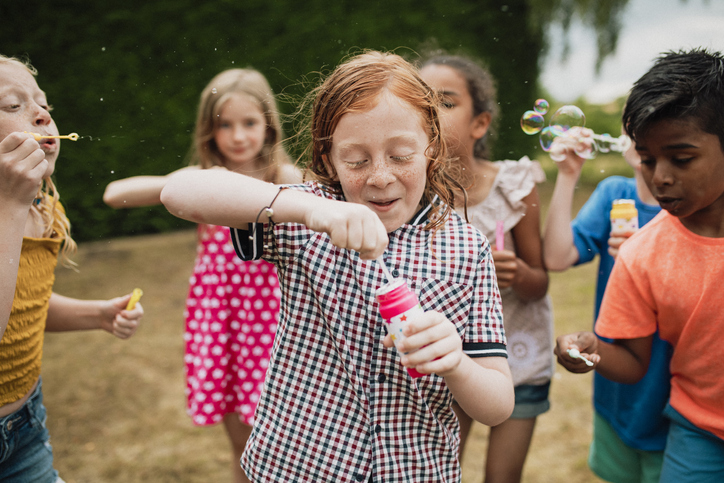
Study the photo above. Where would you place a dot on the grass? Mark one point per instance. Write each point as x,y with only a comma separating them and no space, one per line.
116,409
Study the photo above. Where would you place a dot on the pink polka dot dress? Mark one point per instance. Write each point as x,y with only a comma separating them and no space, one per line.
232,312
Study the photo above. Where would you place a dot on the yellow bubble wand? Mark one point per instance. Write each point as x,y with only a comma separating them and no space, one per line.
72,136
135,297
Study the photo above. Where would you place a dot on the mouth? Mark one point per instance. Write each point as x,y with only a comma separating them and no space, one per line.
667,203
382,204
48,144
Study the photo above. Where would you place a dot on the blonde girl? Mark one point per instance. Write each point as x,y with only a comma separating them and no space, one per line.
34,231
232,306
338,403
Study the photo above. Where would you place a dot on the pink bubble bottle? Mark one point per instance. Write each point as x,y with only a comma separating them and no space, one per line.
398,306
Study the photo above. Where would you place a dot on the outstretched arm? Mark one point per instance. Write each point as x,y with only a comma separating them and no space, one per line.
220,197
66,314
625,360
22,167
559,251
137,190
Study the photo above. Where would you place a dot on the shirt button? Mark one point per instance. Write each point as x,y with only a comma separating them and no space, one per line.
381,378
378,428
359,477
395,273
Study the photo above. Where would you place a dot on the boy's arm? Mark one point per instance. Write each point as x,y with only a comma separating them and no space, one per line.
559,251
221,197
625,360
137,191
67,314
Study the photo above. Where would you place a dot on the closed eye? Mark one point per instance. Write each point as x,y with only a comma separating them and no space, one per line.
402,158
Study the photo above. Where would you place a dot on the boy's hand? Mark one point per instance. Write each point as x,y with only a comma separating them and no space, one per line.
587,345
617,238
349,225
121,322
22,168
506,267
438,344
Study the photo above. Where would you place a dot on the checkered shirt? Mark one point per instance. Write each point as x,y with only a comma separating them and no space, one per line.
338,406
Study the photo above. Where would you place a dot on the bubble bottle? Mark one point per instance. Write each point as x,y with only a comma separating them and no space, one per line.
624,216
398,306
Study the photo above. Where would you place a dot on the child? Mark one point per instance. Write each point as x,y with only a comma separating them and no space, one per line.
232,307
629,430
34,231
667,275
337,403
504,191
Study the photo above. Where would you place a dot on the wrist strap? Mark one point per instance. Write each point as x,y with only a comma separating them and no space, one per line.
269,213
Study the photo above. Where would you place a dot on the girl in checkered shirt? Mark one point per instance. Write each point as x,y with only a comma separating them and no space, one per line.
337,403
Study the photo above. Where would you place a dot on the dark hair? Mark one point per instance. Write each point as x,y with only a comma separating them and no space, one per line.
680,85
481,87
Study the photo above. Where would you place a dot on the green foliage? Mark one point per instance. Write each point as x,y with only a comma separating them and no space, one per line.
127,78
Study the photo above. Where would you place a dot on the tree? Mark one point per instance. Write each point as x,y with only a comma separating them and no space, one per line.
127,78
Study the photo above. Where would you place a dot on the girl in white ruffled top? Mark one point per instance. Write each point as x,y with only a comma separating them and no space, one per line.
501,191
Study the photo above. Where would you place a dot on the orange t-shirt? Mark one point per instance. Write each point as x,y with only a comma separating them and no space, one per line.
669,278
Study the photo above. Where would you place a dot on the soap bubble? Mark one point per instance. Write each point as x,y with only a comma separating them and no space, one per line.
586,149
531,122
213,90
567,117
546,138
605,143
541,106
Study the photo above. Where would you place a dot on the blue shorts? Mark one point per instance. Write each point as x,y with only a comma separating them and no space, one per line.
692,455
531,401
25,452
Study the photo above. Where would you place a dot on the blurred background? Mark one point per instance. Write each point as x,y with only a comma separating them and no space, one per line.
127,76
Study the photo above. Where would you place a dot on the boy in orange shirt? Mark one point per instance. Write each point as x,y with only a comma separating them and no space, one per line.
667,276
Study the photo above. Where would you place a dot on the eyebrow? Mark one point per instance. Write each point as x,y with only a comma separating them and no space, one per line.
670,147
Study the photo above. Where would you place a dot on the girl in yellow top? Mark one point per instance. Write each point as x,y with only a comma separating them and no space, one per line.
33,232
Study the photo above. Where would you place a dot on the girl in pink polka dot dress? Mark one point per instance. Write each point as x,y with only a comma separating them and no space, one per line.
232,306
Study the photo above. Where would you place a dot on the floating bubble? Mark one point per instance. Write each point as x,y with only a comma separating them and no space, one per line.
567,117
213,90
531,122
541,106
546,138
586,149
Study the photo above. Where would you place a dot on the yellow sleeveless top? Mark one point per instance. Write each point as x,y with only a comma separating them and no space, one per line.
21,347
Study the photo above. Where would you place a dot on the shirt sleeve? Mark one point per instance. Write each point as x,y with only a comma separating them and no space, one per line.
485,335
628,310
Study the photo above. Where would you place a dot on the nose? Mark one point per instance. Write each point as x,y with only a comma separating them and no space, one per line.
663,175
381,175
239,133
42,116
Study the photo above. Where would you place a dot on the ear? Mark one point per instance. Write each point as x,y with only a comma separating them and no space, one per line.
481,124
329,167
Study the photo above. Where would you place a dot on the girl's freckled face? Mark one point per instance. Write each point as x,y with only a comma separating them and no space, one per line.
379,159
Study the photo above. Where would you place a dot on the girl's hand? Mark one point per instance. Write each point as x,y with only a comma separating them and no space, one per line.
506,267
586,343
438,344
121,322
22,168
349,225
617,238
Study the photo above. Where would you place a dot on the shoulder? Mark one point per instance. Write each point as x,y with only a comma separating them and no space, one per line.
651,238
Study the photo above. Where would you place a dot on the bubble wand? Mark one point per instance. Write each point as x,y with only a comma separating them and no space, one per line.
562,124
135,297
72,136
577,355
